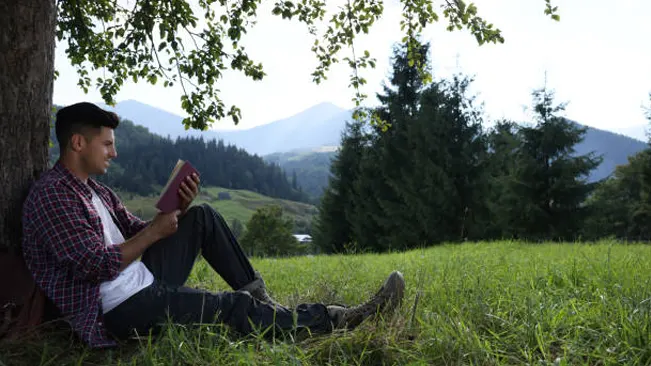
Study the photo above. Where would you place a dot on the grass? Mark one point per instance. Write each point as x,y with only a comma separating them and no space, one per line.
486,304
241,206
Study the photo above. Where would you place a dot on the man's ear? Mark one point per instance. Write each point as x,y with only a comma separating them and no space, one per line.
77,142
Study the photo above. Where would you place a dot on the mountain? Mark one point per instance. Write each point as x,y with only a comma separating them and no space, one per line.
312,168
296,137
316,126
639,132
156,120
614,148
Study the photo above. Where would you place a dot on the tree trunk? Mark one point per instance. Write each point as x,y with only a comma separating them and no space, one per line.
27,42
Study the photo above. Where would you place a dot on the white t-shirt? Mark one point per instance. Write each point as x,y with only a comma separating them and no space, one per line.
132,279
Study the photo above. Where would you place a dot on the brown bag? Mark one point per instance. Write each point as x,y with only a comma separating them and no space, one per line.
22,302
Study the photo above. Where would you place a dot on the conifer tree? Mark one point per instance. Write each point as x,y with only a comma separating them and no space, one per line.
549,179
332,229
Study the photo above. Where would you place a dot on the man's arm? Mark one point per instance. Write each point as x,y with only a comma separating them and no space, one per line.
60,222
162,226
132,223
133,248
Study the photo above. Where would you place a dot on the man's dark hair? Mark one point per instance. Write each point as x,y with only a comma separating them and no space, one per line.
82,118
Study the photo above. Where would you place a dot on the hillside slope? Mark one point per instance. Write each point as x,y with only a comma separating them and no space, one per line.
241,206
614,148
312,168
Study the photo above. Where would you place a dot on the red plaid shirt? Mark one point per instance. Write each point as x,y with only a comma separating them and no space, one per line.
63,245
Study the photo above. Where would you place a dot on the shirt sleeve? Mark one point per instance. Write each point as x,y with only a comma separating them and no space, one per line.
63,226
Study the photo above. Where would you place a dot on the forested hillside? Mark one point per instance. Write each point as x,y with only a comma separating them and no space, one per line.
145,161
310,169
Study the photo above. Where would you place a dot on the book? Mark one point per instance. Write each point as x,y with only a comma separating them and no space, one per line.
169,199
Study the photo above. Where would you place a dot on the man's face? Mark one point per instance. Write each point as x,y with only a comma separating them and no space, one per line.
98,150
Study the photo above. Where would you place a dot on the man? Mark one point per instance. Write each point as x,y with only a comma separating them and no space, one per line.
82,247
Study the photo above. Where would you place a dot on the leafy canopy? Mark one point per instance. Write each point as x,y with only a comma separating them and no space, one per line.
193,43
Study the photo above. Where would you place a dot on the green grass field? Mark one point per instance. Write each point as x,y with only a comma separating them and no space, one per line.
481,304
241,205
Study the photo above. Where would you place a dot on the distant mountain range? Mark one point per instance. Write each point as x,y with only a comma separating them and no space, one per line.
317,126
614,148
639,132
322,125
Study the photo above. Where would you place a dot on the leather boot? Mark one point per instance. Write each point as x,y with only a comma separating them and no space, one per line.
258,290
386,300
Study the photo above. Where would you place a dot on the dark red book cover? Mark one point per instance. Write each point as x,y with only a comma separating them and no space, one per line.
169,199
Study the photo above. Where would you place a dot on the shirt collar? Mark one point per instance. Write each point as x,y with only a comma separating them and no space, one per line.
75,181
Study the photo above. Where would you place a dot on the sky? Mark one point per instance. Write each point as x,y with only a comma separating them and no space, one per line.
596,59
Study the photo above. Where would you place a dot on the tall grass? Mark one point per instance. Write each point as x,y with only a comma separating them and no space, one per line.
481,303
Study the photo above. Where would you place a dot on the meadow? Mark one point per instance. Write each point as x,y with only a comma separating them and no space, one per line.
241,205
493,303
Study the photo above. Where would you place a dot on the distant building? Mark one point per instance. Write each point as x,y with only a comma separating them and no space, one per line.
303,238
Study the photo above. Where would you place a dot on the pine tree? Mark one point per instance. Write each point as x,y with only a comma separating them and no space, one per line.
549,179
419,181
332,229
446,185
294,180
372,228
503,204
621,205
386,218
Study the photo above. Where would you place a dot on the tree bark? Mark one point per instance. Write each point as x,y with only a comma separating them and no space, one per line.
27,40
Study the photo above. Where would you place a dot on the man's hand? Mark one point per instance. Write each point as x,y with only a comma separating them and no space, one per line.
188,191
164,224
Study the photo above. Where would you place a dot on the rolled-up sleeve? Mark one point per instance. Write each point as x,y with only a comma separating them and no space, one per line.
63,225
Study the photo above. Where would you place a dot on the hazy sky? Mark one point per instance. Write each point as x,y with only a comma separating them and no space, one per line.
597,58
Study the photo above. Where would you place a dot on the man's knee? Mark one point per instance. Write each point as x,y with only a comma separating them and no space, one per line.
206,216
202,210
199,208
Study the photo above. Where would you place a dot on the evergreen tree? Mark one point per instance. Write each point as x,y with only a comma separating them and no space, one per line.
371,226
384,218
503,203
419,181
621,205
294,180
549,179
332,231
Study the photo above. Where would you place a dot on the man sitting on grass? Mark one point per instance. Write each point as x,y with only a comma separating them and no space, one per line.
82,247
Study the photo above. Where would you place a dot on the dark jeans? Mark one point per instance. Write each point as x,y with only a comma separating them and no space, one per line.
203,230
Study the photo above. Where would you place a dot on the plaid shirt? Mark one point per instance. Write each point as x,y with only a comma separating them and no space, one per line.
63,246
